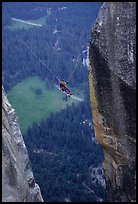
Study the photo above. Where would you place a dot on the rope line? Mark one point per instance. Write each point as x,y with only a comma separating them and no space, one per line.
73,70
72,73
40,60
47,66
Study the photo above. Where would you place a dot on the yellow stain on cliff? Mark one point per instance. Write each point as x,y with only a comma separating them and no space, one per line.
97,117
104,135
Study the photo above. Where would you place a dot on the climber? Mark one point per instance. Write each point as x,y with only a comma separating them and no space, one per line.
64,88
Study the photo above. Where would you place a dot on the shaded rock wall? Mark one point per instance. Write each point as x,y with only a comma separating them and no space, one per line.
112,78
18,184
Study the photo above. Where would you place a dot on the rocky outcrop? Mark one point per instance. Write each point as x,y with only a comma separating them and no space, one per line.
112,81
18,184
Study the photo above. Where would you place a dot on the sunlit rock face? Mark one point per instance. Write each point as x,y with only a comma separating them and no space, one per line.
18,184
112,81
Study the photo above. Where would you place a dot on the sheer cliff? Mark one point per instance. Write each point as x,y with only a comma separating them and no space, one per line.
18,183
112,81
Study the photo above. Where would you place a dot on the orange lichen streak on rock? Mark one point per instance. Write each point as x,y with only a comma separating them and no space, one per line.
97,117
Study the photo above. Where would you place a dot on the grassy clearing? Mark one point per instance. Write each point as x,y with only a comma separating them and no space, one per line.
31,106
19,25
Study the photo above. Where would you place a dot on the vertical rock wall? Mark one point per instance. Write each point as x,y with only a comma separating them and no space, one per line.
112,78
18,184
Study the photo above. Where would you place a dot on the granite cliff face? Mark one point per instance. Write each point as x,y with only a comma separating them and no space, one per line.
112,78
18,184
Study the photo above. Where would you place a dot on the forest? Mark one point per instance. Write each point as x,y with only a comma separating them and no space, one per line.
62,147
62,156
60,51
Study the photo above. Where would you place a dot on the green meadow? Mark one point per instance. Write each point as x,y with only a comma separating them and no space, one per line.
19,25
33,101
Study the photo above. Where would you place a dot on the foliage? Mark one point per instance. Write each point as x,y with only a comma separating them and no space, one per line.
61,151
38,91
33,100
59,51
60,146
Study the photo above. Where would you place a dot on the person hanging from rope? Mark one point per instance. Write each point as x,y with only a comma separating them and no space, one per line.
63,87
63,84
